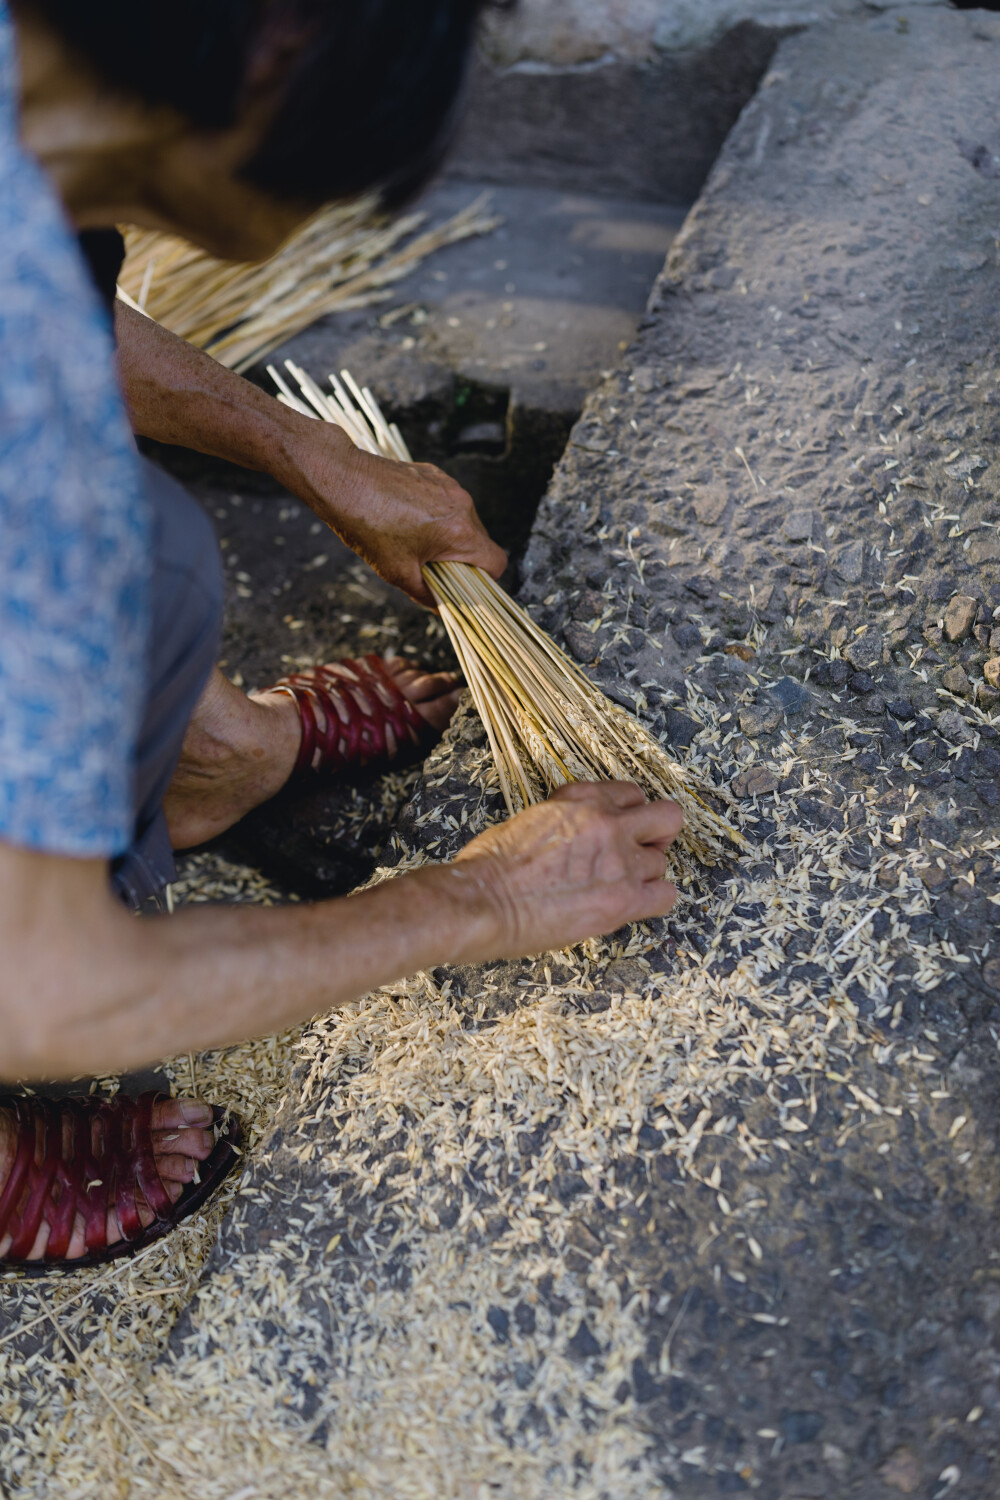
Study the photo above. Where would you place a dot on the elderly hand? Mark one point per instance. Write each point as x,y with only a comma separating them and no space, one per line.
397,516
585,862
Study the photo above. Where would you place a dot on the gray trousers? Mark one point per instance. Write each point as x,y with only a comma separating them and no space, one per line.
185,626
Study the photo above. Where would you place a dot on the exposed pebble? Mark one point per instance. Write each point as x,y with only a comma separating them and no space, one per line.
583,1344
624,974
956,682
798,526
756,782
686,636
580,642
760,718
791,695
902,1471
864,651
955,727
959,617
801,1426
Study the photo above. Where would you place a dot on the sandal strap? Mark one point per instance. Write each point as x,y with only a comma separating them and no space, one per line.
79,1156
359,704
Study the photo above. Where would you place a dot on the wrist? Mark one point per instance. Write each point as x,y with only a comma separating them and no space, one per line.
465,921
312,460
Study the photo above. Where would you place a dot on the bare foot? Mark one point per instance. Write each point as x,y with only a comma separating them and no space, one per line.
181,1138
240,750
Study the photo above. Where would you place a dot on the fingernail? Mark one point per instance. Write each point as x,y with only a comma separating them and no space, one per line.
194,1112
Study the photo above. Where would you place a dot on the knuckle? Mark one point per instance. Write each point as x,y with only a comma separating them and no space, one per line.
573,791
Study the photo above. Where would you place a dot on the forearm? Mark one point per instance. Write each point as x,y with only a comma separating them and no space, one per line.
84,987
397,516
177,394
117,993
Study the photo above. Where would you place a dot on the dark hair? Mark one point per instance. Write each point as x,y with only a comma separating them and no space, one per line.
368,99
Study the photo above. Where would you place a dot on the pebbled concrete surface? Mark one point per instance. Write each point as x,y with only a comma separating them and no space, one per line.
805,434
796,459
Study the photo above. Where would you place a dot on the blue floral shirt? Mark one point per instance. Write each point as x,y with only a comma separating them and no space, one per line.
74,529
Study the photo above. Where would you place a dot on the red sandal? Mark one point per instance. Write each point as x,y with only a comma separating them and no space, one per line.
121,1172
360,704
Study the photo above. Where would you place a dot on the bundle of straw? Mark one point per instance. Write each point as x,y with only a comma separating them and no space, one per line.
546,722
238,313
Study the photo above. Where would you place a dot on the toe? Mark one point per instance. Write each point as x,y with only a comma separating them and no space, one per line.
435,695
169,1114
439,711
433,685
176,1170
185,1142
78,1239
416,684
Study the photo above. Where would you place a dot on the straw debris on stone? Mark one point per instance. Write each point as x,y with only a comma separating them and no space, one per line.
547,723
346,256
380,1372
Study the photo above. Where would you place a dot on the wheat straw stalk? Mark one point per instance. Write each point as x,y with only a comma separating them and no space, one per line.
546,722
345,256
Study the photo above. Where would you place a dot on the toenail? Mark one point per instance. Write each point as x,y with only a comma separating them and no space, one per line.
193,1112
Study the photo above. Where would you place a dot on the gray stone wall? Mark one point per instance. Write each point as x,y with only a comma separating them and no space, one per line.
575,33
622,97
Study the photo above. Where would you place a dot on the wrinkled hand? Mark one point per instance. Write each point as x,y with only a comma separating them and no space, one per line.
396,516
582,864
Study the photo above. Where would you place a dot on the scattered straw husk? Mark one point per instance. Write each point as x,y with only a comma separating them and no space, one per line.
345,257
547,723
422,1095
